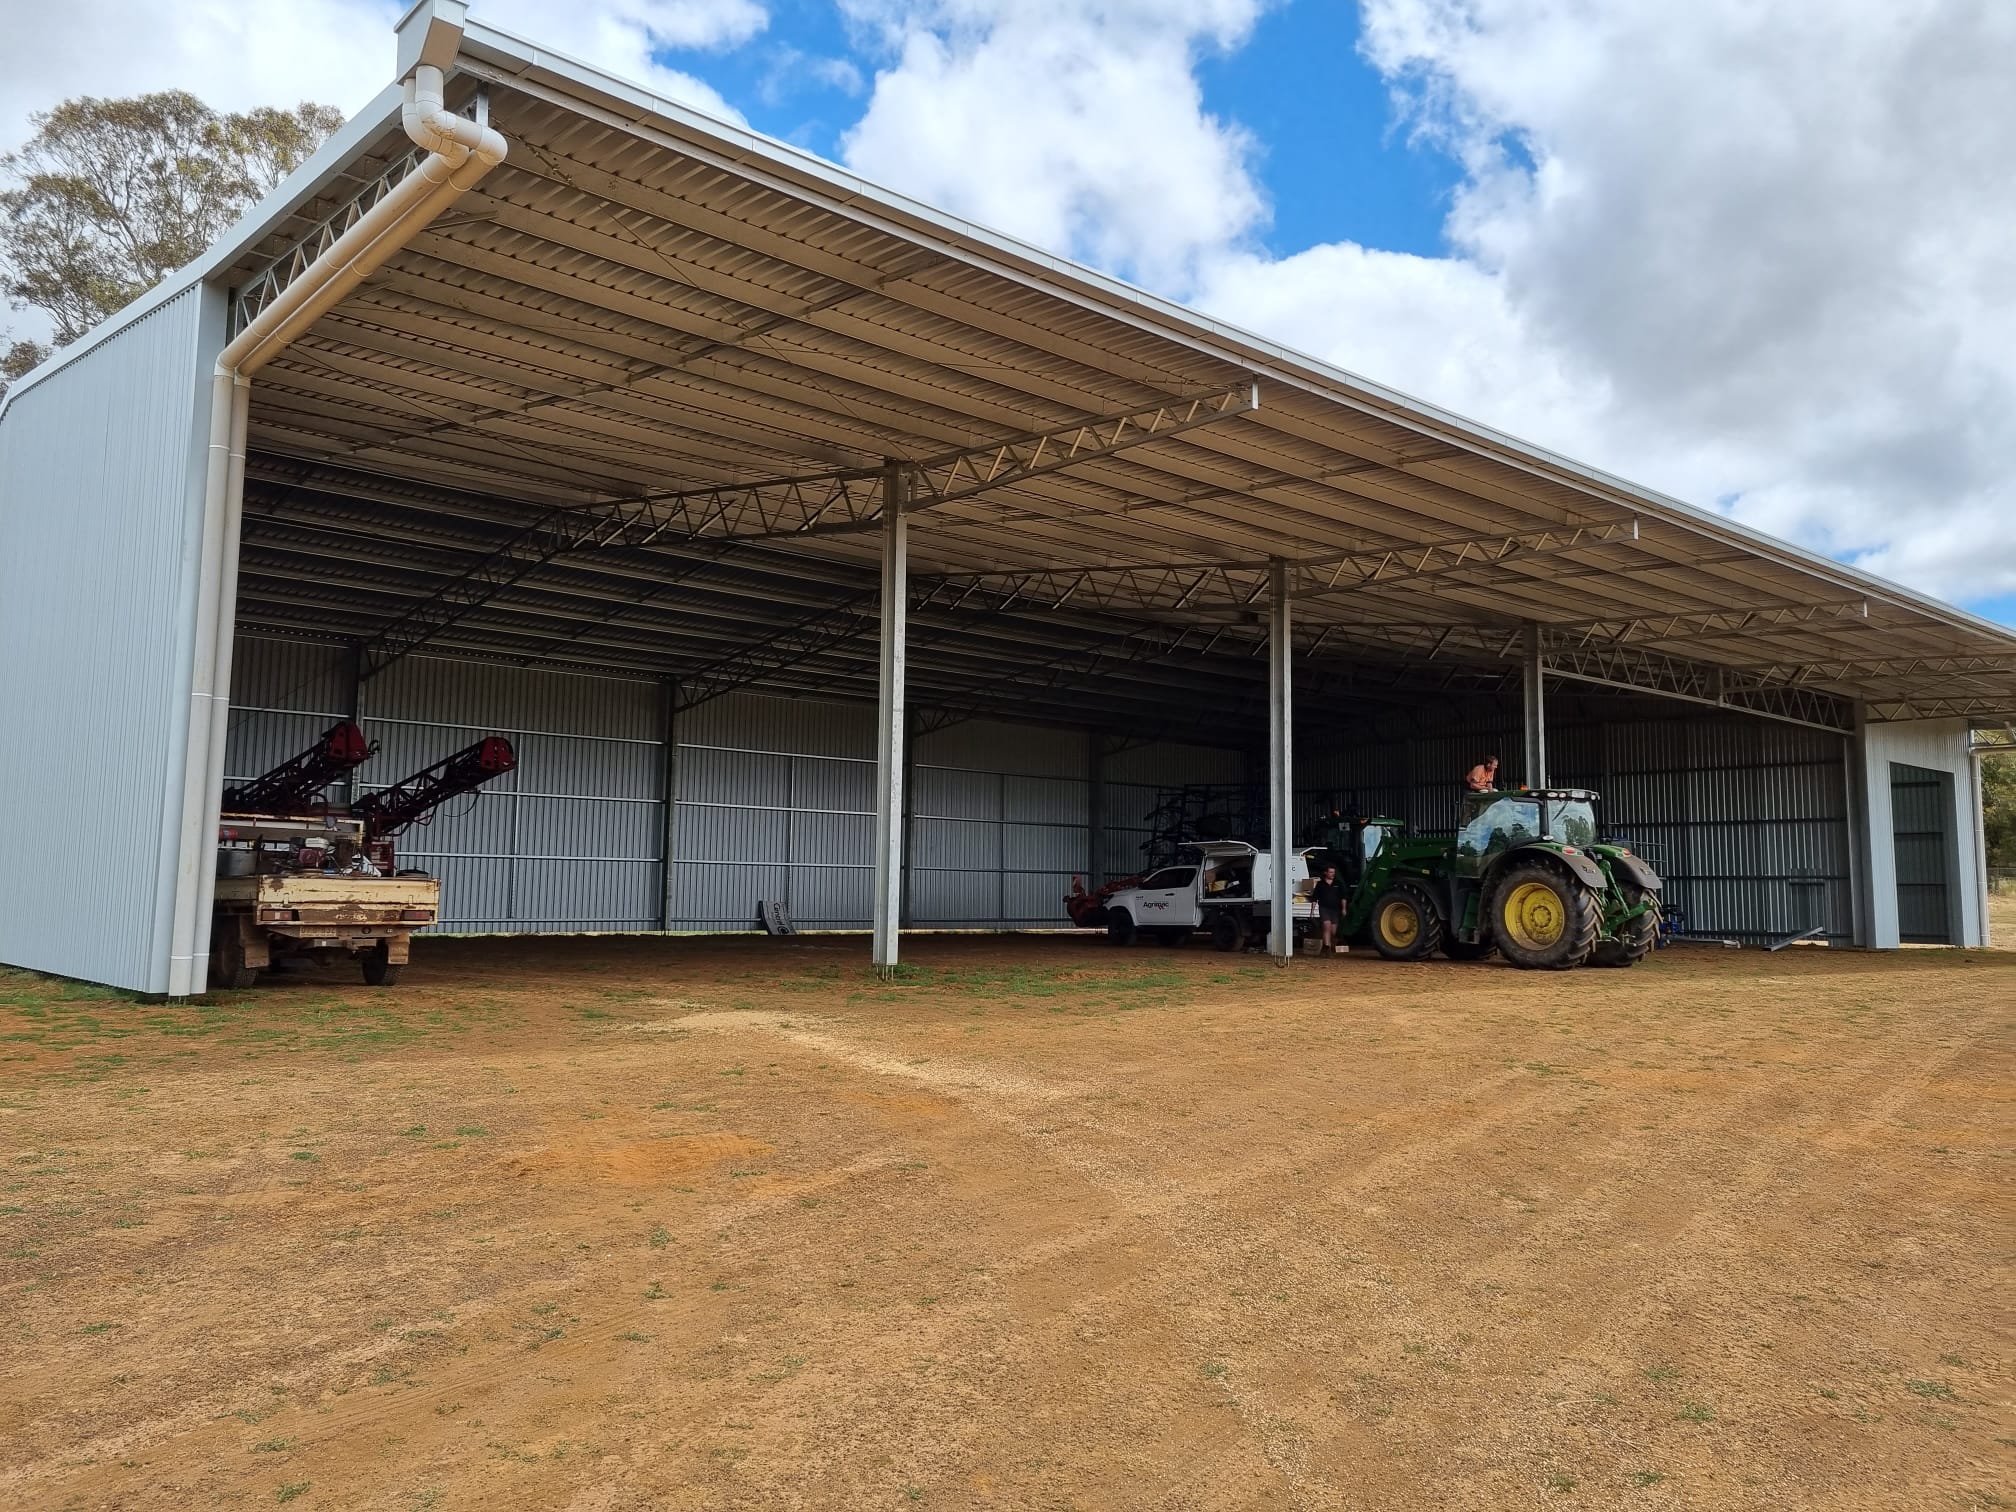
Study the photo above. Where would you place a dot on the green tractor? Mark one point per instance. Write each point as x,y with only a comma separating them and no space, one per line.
1524,876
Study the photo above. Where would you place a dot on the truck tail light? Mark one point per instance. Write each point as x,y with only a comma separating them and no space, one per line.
415,915
278,915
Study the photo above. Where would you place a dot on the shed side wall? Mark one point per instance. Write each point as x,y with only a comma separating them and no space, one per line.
101,481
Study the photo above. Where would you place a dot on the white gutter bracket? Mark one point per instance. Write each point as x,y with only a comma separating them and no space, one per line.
460,152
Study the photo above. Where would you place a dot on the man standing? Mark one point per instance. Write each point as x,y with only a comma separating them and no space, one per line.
1328,896
1483,777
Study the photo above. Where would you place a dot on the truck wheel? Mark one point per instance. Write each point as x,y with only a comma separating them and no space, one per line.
1120,928
1543,919
1405,925
378,971
1634,942
1228,931
227,959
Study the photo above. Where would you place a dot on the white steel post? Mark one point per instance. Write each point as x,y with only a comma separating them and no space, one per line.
890,724
1280,765
1535,773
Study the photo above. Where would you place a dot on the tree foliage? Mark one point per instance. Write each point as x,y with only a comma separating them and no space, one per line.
110,196
1998,809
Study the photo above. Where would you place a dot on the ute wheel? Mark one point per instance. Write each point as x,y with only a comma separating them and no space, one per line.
1468,950
378,971
1120,928
1635,941
1542,919
227,959
1228,931
1405,926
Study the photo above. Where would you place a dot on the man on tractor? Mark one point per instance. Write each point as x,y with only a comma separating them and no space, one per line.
1483,777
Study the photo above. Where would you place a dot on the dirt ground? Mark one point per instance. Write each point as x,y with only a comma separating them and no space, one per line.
604,1224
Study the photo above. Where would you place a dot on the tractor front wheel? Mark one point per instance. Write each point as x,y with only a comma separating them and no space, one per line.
1543,919
1405,925
1635,940
1120,928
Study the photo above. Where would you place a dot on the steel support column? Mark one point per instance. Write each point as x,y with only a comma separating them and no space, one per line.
890,724
1534,773
668,830
1095,811
1280,762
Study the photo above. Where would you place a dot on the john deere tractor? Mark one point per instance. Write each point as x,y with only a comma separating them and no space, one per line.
1524,876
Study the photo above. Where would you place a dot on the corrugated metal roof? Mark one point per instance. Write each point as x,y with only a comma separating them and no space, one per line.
642,299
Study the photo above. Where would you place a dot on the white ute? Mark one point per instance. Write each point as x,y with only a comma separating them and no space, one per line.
1226,892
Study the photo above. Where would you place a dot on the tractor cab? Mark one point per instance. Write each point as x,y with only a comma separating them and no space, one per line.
1496,823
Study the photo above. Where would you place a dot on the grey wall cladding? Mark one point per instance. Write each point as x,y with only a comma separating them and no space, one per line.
101,476
570,840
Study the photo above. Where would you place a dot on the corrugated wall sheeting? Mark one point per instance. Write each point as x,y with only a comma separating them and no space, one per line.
101,476
776,801
1134,779
570,840
1000,823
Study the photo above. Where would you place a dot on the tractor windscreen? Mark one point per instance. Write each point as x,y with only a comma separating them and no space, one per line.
1572,821
1494,823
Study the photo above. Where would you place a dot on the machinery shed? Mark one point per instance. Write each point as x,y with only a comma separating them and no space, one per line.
813,546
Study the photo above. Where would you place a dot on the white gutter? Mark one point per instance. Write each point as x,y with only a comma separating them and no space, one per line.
460,152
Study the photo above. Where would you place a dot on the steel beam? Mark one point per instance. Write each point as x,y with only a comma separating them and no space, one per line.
890,724
1280,760
720,518
1534,707
1242,585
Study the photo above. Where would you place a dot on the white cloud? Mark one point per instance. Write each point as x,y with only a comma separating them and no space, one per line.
1078,124
1736,252
339,52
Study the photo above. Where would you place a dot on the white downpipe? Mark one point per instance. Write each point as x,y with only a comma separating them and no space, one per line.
461,152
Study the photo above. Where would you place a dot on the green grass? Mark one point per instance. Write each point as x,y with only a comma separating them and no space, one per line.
1696,1412
291,1490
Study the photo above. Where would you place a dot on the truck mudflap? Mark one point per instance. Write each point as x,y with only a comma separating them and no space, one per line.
1630,869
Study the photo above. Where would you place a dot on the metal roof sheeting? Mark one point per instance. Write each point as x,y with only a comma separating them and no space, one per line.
641,299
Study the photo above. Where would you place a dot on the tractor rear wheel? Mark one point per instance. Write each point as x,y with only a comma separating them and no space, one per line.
1405,925
1120,928
1228,931
1543,919
1635,940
